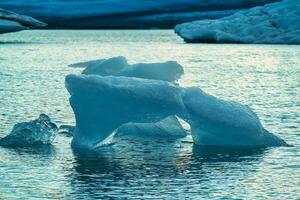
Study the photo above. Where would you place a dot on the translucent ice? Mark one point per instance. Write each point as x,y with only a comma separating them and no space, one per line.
40,131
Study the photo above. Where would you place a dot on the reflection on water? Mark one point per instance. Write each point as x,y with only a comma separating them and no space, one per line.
130,163
37,150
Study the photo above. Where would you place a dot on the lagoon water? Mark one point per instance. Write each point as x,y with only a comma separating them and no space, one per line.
33,65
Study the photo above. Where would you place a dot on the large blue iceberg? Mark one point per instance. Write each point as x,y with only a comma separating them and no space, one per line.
102,104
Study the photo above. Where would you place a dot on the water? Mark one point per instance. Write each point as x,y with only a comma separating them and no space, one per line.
33,65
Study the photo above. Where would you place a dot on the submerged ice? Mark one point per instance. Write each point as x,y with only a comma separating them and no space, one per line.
275,23
130,105
40,131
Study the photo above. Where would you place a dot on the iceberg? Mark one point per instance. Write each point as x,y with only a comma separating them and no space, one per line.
275,23
40,131
169,128
118,66
13,22
102,104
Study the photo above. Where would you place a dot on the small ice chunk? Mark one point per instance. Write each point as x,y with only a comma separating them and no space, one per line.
169,127
40,131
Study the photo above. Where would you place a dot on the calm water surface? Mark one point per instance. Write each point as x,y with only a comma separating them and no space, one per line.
33,65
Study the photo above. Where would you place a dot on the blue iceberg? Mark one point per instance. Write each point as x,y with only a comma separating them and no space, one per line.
102,104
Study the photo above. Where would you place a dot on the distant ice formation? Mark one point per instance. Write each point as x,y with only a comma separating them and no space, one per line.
118,66
13,22
276,23
102,104
40,131
125,14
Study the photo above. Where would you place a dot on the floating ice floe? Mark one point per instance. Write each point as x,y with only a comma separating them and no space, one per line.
275,23
40,131
118,66
13,22
102,104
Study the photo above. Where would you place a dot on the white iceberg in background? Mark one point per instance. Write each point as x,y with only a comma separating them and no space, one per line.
102,104
118,66
40,131
13,22
169,128
276,23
